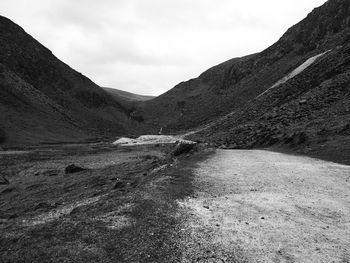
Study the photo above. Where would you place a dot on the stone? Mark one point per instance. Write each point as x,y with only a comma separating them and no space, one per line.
8,190
3,180
183,147
119,185
73,169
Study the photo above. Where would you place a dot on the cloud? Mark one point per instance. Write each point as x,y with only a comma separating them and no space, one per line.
148,46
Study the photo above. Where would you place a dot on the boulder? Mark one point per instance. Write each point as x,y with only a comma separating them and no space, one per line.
2,137
73,169
303,101
183,147
8,190
119,185
3,180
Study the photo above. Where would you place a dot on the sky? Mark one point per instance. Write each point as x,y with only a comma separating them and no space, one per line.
149,46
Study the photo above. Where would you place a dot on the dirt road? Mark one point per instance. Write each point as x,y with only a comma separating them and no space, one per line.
260,206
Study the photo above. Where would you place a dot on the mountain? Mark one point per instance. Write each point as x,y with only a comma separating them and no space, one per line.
127,96
295,93
44,100
129,101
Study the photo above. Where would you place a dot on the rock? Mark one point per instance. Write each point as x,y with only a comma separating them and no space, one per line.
303,101
73,169
48,173
3,180
159,168
119,185
206,206
183,147
8,190
43,205
51,173
135,183
2,137
13,216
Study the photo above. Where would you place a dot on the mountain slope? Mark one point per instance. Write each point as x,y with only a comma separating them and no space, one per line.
309,113
308,109
295,94
44,100
129,101
127,96
231,85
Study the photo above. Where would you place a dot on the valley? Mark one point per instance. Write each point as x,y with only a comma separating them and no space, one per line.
248,162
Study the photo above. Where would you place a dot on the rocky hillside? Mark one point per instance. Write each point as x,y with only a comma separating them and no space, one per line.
232,84
309,113
294,93
44,100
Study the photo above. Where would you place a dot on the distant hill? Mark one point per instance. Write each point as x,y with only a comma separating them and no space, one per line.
131,102
44,100
295,93
127,96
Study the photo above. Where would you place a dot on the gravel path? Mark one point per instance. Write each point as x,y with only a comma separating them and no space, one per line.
273,207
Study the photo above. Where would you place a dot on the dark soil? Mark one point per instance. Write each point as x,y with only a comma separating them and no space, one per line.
49,216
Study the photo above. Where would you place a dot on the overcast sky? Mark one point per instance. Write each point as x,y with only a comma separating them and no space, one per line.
148,46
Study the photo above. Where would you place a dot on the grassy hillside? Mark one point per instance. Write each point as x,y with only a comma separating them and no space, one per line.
128,96
44,100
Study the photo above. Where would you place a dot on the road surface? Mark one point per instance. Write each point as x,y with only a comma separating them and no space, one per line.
261,206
